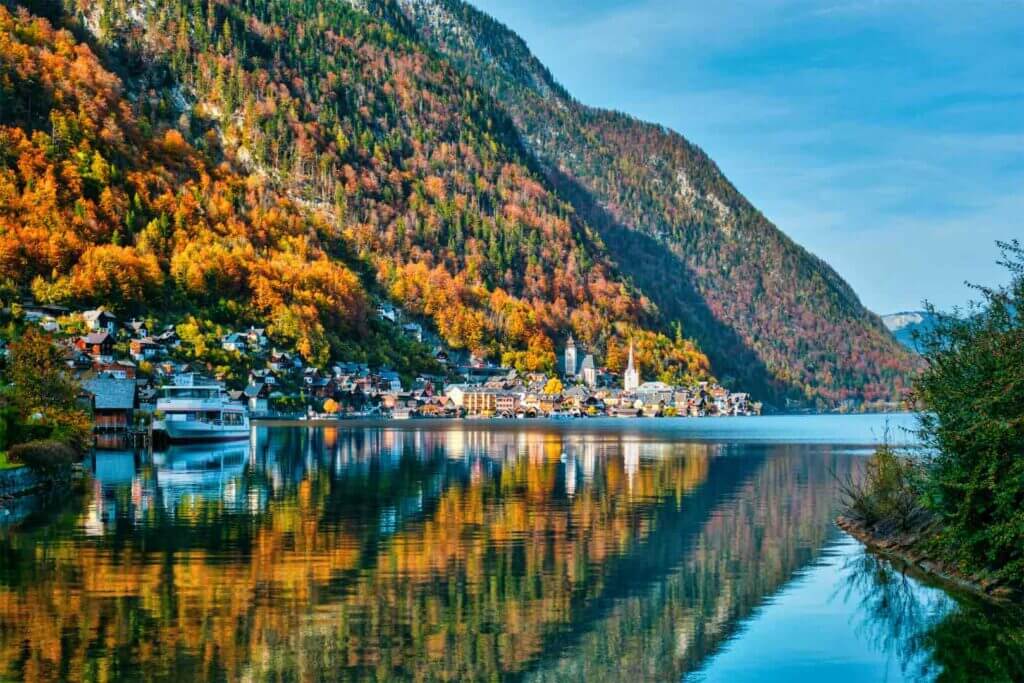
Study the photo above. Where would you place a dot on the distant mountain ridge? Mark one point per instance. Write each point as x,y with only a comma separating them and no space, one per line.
769,314
905,325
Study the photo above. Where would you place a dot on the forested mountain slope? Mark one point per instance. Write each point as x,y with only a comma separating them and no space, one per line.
288,162
104,203
281,161
769,314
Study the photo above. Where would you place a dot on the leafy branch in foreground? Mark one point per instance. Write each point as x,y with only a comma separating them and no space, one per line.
972,395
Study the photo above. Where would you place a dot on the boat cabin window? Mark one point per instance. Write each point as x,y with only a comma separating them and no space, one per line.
190,392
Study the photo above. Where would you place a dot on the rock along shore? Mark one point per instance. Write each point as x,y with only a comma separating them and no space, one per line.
910,549
18,481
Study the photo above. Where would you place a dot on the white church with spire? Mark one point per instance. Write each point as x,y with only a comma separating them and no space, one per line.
631,378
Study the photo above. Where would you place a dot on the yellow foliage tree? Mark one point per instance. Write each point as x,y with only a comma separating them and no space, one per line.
116,274
554,386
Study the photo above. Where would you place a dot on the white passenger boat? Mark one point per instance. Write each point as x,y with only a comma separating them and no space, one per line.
196,410
402,413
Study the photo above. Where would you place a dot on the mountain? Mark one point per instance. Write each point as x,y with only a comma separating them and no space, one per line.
771,316
288,162
904,326
292,162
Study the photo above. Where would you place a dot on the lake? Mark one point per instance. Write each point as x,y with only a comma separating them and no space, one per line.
663,550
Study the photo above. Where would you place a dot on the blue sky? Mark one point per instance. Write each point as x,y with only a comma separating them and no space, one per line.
885,136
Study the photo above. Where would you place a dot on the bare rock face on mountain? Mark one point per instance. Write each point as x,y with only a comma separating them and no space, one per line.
768,313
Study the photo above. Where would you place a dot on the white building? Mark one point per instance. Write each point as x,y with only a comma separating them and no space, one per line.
101,321
656,392
570,358
234,342
589,371
631,378
456,393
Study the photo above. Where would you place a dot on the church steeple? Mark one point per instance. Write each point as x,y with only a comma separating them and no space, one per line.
631,377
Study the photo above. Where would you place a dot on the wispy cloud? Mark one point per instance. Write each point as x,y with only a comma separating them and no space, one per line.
885,135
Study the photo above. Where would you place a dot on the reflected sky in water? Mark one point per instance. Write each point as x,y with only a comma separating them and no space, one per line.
465,551
813,628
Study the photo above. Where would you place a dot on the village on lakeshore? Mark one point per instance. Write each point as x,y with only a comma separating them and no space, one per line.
126,369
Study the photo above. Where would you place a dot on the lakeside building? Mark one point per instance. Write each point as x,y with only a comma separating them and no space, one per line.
274,381
476,401
588,371
506,403
656,393
483,401
113,402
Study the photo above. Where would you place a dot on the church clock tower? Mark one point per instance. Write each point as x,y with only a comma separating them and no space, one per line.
571,363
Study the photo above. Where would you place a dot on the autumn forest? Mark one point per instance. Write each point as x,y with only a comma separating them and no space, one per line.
291,163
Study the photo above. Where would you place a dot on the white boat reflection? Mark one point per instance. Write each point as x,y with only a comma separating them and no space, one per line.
209,472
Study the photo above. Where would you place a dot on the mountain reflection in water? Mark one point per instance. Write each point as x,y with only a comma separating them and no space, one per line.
458,554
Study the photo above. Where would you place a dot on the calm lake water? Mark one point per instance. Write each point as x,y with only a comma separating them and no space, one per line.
668,550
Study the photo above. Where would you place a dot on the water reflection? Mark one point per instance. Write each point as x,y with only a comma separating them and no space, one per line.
932,634
417,553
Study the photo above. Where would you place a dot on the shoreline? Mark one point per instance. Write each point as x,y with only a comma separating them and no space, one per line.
265,420
17,482
907,549
857,432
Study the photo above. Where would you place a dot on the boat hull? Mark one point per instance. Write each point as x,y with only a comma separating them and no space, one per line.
203,432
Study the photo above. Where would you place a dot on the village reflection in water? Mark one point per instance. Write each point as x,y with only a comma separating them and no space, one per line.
382,553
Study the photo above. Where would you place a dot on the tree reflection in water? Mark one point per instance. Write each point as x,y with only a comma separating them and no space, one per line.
934,635
444,554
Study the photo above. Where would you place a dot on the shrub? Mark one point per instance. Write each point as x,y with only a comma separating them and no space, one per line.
889,491
972,392
46,457
70,427
73,428
38,375
21,432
